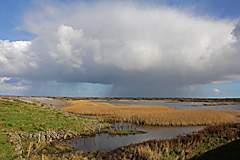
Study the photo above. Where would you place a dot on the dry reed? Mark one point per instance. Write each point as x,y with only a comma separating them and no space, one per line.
153,115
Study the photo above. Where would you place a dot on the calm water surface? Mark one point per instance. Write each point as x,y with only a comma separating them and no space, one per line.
107,142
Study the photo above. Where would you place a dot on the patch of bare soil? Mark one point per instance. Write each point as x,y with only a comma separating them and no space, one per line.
46,102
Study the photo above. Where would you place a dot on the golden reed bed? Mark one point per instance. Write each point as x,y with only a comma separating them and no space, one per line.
153,115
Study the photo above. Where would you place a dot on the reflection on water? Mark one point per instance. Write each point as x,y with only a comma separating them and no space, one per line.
177,105
108,142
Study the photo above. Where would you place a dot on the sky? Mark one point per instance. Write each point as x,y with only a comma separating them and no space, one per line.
125,48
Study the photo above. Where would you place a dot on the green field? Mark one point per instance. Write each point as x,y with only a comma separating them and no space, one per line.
19,117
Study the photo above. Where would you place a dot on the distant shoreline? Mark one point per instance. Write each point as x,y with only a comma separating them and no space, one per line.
208,100
175,99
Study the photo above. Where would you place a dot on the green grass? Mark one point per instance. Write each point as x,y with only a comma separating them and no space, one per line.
6,147
17,117
20,116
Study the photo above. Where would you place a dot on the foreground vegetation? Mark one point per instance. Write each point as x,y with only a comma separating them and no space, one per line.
22,118
213,142
153,115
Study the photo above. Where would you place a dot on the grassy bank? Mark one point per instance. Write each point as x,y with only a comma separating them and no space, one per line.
153,115
21,119
18,116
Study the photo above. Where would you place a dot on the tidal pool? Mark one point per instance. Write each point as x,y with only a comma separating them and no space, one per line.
107,142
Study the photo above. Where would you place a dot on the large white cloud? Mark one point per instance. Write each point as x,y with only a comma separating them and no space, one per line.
14,57
141,50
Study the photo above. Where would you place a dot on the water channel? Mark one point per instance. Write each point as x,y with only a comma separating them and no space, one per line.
107,142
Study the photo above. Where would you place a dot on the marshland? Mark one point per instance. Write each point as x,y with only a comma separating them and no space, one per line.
43,128
151,114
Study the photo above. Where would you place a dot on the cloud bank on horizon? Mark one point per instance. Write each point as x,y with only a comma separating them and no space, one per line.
138,49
